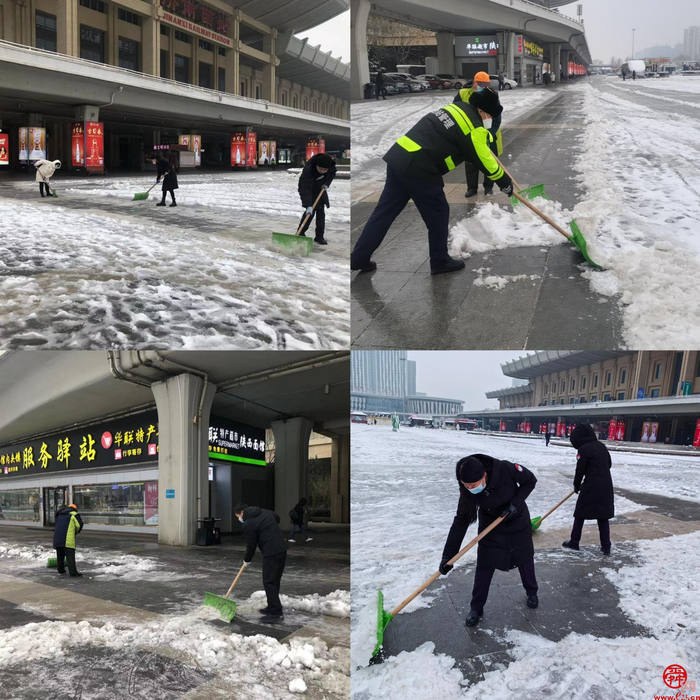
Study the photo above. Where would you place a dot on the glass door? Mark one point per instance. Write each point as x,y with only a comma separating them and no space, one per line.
54,498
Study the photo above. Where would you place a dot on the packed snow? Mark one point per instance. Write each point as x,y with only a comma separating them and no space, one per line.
92,270
689,84
336,604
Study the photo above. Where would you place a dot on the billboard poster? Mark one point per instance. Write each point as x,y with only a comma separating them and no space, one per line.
273,152
77,151
654,432
646,429
238,150
263,153
502,426
37,143
620,430
311,148
528,427
322,145
150,504
236,442
197,148
252,149
23,140
94,146
184,140
696,438
4,149
612,429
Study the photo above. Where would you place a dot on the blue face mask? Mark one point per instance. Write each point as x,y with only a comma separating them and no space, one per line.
480,88
478,489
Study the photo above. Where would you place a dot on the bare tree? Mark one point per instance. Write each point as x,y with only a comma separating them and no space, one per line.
392,43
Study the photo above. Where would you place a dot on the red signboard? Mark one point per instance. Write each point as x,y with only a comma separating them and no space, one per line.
77,151
528,427
612,429
252,149
4,149
620,429
94,146
238,150
502,426
322,145
151,503
696,439
312,148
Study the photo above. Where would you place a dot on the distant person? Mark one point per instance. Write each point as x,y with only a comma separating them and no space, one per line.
317,175
624,76
167,172
381,90
501,81
45,170
298,517
634,75
262,530
68,525
547,438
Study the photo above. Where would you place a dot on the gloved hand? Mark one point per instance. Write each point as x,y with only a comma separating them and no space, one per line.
510,510
309,210
444,567
576,490
507,189
325,187
157,180
245,564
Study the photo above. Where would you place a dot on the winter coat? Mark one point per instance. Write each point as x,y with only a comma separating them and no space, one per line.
509,544
311,182
68,525
463,96
45,169
596,500
261,529
379,80
296,515
167,172
443,139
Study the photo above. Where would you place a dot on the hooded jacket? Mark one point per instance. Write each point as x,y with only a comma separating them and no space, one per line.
596,499
45,169
68,525
261,529
463,95
167,172
509,544
311,182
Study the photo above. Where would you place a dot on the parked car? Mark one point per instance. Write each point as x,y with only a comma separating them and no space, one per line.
458,81
392,79
391,87
435,82
415,85
508,84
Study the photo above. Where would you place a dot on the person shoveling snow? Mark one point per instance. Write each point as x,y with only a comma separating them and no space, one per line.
68,525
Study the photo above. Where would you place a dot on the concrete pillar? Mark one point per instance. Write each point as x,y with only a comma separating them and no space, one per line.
68,38
291,462
690,358
112,37
340,480
555,60
233,74
445,51
359,13
567,58
150,48
269,80
183,456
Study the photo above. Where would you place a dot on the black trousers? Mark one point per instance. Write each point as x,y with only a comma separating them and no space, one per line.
472,171
69,554
48,189
482,583
172,193
320,215
431,203
273,568
603,529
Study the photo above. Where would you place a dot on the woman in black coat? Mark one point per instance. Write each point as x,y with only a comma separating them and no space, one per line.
167,172
593,483
491,488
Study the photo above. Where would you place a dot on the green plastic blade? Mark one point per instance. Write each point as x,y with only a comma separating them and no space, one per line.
580,242
383,619
536,522
52,563
530,193
299,244
226,607
139,196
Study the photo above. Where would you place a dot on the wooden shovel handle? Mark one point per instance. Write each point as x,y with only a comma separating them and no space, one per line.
557,506
308,216
530,205
437,574
235,581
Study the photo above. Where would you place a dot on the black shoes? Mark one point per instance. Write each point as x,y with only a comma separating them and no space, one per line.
489,193
532,601
174,204
473,618
76,575
269,617
450,266
321,240
364,266
605,551
471,193
264,611
303,234
570,545
160,204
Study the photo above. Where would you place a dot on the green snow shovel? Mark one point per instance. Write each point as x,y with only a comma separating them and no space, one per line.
48,187
297,241
575,237
226,607
384,618
536,522
52,563
143,195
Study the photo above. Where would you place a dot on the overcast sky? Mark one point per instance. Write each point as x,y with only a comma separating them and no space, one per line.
609,24
334,36
464,375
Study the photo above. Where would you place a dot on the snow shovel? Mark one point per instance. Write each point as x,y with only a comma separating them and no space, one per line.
296,241
384,618
48,187
575,238
52,563
536,522
226,607
143,195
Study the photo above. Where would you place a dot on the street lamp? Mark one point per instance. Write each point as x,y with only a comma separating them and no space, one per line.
633,31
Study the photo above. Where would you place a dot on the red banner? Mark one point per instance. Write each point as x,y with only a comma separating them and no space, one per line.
696,439
238,150
528,427
77,151
151,503
322,145
312,148
502,426
94,146
4,149
612,429
620,430
252,149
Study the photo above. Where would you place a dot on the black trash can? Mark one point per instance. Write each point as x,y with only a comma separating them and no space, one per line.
369,91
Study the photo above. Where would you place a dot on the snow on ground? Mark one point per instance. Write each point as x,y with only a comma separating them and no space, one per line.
641,88
676,83
336,604
377,124
76,273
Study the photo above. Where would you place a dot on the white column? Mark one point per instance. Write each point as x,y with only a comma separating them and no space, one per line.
340,480
555,60
445,52
359,13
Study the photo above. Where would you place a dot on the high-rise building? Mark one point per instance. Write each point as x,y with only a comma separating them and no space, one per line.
380,372
691,43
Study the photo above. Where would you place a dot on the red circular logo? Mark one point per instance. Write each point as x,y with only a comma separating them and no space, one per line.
106,440
675,676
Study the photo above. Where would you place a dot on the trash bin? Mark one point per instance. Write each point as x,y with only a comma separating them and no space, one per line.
369,91
208,533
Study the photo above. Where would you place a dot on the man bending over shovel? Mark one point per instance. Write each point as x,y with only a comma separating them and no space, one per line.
317,175
261,529
416,163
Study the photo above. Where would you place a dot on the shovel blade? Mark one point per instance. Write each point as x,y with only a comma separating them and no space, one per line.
226,607
530,193
580,242
139,196
536,522
52,563
383,619
297,244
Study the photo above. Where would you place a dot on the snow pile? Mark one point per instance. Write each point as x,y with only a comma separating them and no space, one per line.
690,84
336,604
492,227
297,686
34,554
499,282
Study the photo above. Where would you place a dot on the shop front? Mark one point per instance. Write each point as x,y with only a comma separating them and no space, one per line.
529,61
474,53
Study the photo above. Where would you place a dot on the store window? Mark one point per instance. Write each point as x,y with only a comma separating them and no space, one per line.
594,398
46,31
164,64
92,44
205,73
606,397
128,54
182,69
134,504
654,393
582,399
222,80
20,505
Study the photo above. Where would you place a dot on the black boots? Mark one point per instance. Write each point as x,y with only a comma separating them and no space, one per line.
470,192
532,601
320,240
174,204
450,266
364,266
473,618
161,204
570,545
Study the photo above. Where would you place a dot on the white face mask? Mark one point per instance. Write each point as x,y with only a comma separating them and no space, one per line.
487,123
240,520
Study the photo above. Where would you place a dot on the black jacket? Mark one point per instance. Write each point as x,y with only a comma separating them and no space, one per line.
596,500
311,182
380,80
296,515
167,172
67,527
443,145
509,544
261,529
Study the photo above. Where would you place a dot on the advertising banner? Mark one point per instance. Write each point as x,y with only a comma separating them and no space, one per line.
184,140
528,427
238,150
612,429
23,141
654,432
620,429
252,149
311,148
4,149
322,145
273,152
646,429
263,153
472,45
37,143
696,439
77,151
640,392
151,503
197,148
502,426
94,146
236,442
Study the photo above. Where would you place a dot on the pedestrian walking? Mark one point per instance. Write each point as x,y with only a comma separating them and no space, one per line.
379,82
416,163
593,483
262,531
501,81
490,488
166,171
482,83
547,438
298,517
317,175
634,75
68,525
45,170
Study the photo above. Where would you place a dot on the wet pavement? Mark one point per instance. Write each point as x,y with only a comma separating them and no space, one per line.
402,306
